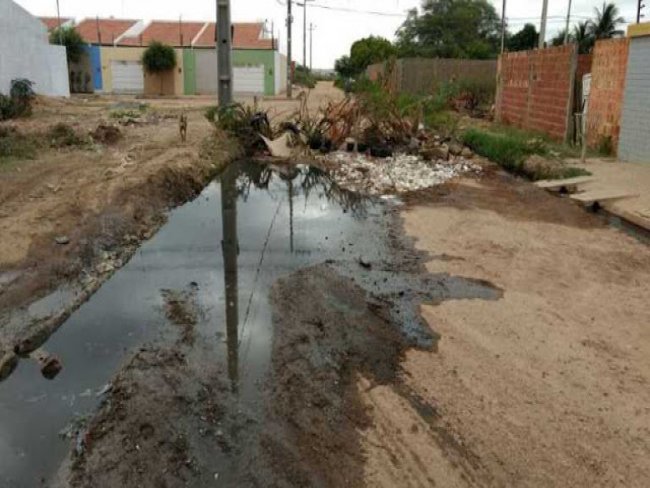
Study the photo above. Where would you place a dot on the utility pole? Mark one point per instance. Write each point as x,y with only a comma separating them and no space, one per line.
312,27
289,60
638,12
304,31
224,46
568,22
542,29
503,27
58,17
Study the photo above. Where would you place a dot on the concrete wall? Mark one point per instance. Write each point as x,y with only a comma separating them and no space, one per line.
206,67
607,85
422,76
535,90
26,53
281,73
634,144
122,53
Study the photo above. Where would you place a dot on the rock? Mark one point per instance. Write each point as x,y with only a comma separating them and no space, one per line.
62,240
51,367
364,263
455,148
8,363
433,153
467,153
104,268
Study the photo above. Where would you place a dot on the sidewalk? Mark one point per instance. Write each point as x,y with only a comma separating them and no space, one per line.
615,176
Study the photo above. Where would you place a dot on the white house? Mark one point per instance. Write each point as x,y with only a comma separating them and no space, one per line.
26,53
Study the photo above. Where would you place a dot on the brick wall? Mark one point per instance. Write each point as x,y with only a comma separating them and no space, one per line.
536,90
607,86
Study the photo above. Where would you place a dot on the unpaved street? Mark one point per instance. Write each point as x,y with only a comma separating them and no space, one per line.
288,324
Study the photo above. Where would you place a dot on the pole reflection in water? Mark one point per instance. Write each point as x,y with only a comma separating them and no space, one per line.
230,247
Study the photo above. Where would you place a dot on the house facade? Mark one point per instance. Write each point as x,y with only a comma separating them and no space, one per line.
25,52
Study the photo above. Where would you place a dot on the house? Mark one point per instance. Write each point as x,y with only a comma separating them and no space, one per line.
52,23
25,52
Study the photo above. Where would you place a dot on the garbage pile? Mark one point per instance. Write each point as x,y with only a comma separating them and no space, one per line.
401,173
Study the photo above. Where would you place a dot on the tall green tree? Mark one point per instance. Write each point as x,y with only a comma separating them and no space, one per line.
451,29
524,40
583,37
363,53
71,39
607,21
558,39
159,58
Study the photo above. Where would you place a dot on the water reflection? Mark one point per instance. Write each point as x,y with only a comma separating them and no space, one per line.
230,248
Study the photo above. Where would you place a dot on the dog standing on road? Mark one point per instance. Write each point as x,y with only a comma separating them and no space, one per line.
182,126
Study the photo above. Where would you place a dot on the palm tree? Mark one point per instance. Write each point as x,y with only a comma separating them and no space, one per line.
605,25
582,35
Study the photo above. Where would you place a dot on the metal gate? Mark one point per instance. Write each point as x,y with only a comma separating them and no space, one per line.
127,77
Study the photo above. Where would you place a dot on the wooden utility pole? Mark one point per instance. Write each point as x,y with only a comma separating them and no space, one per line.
224,47
638,12
568,22
542,29
58,18
289,60
503,27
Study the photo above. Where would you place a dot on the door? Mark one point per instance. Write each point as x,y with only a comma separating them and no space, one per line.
127,77
248,80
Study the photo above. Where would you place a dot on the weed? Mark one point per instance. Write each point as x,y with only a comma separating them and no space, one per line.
242,122
14,145
19,101
606,146
62,135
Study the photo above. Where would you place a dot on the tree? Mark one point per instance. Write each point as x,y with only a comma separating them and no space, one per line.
525,39
451,29
583,37
71,39
558,40
363,53
158,59
605,25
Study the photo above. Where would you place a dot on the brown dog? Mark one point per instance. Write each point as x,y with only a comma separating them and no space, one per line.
182,126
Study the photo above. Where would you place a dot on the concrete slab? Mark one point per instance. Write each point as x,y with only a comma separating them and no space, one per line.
568,184
601,197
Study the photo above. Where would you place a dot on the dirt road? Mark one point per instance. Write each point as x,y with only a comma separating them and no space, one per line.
548,386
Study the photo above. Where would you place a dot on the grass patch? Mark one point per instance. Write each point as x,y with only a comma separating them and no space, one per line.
62,135
512,149
14,145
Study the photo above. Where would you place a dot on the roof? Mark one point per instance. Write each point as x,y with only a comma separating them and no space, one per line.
173,33
246,36
53,22
109,29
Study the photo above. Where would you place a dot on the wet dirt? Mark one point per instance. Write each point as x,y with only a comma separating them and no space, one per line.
198,350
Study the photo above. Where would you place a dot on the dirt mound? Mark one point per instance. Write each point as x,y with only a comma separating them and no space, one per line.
106,134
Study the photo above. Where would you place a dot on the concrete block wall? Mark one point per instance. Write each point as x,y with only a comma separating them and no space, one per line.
536,90
607,87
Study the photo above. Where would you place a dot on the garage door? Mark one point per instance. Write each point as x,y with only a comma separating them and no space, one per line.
249,79
127,77
634,142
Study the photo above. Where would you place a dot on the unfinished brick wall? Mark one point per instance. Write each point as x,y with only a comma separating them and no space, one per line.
536,90
607,87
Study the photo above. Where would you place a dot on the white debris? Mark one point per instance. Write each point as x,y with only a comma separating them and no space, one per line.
398,174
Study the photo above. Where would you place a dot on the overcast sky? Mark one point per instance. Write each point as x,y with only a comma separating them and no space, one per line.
335,30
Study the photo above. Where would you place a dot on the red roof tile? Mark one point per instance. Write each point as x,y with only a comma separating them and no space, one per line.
169,32
109,29
53,22
246,36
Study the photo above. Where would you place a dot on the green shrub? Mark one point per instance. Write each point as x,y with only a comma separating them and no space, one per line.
303,77
606,146
14,145
511,150
71,39
19,101
242,122
62,135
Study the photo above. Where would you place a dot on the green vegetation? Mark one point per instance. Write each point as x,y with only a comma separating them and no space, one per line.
606,146
14,145
363,53
527,38
303,77
19,101
512,149
159,58
62,135
71,39
243,122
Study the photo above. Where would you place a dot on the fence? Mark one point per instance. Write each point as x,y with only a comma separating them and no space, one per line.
536,90
424,75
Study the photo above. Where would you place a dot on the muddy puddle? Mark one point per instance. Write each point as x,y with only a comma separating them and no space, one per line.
219,255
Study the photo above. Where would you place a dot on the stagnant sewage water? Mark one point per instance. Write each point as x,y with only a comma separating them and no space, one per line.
247,229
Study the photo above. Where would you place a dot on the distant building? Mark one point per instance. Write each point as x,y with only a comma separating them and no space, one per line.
25,52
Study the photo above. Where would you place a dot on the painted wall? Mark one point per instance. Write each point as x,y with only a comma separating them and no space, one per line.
96,64
26,53
189,72
280,73
205,61
121,53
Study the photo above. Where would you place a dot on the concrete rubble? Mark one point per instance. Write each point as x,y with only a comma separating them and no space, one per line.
397,174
